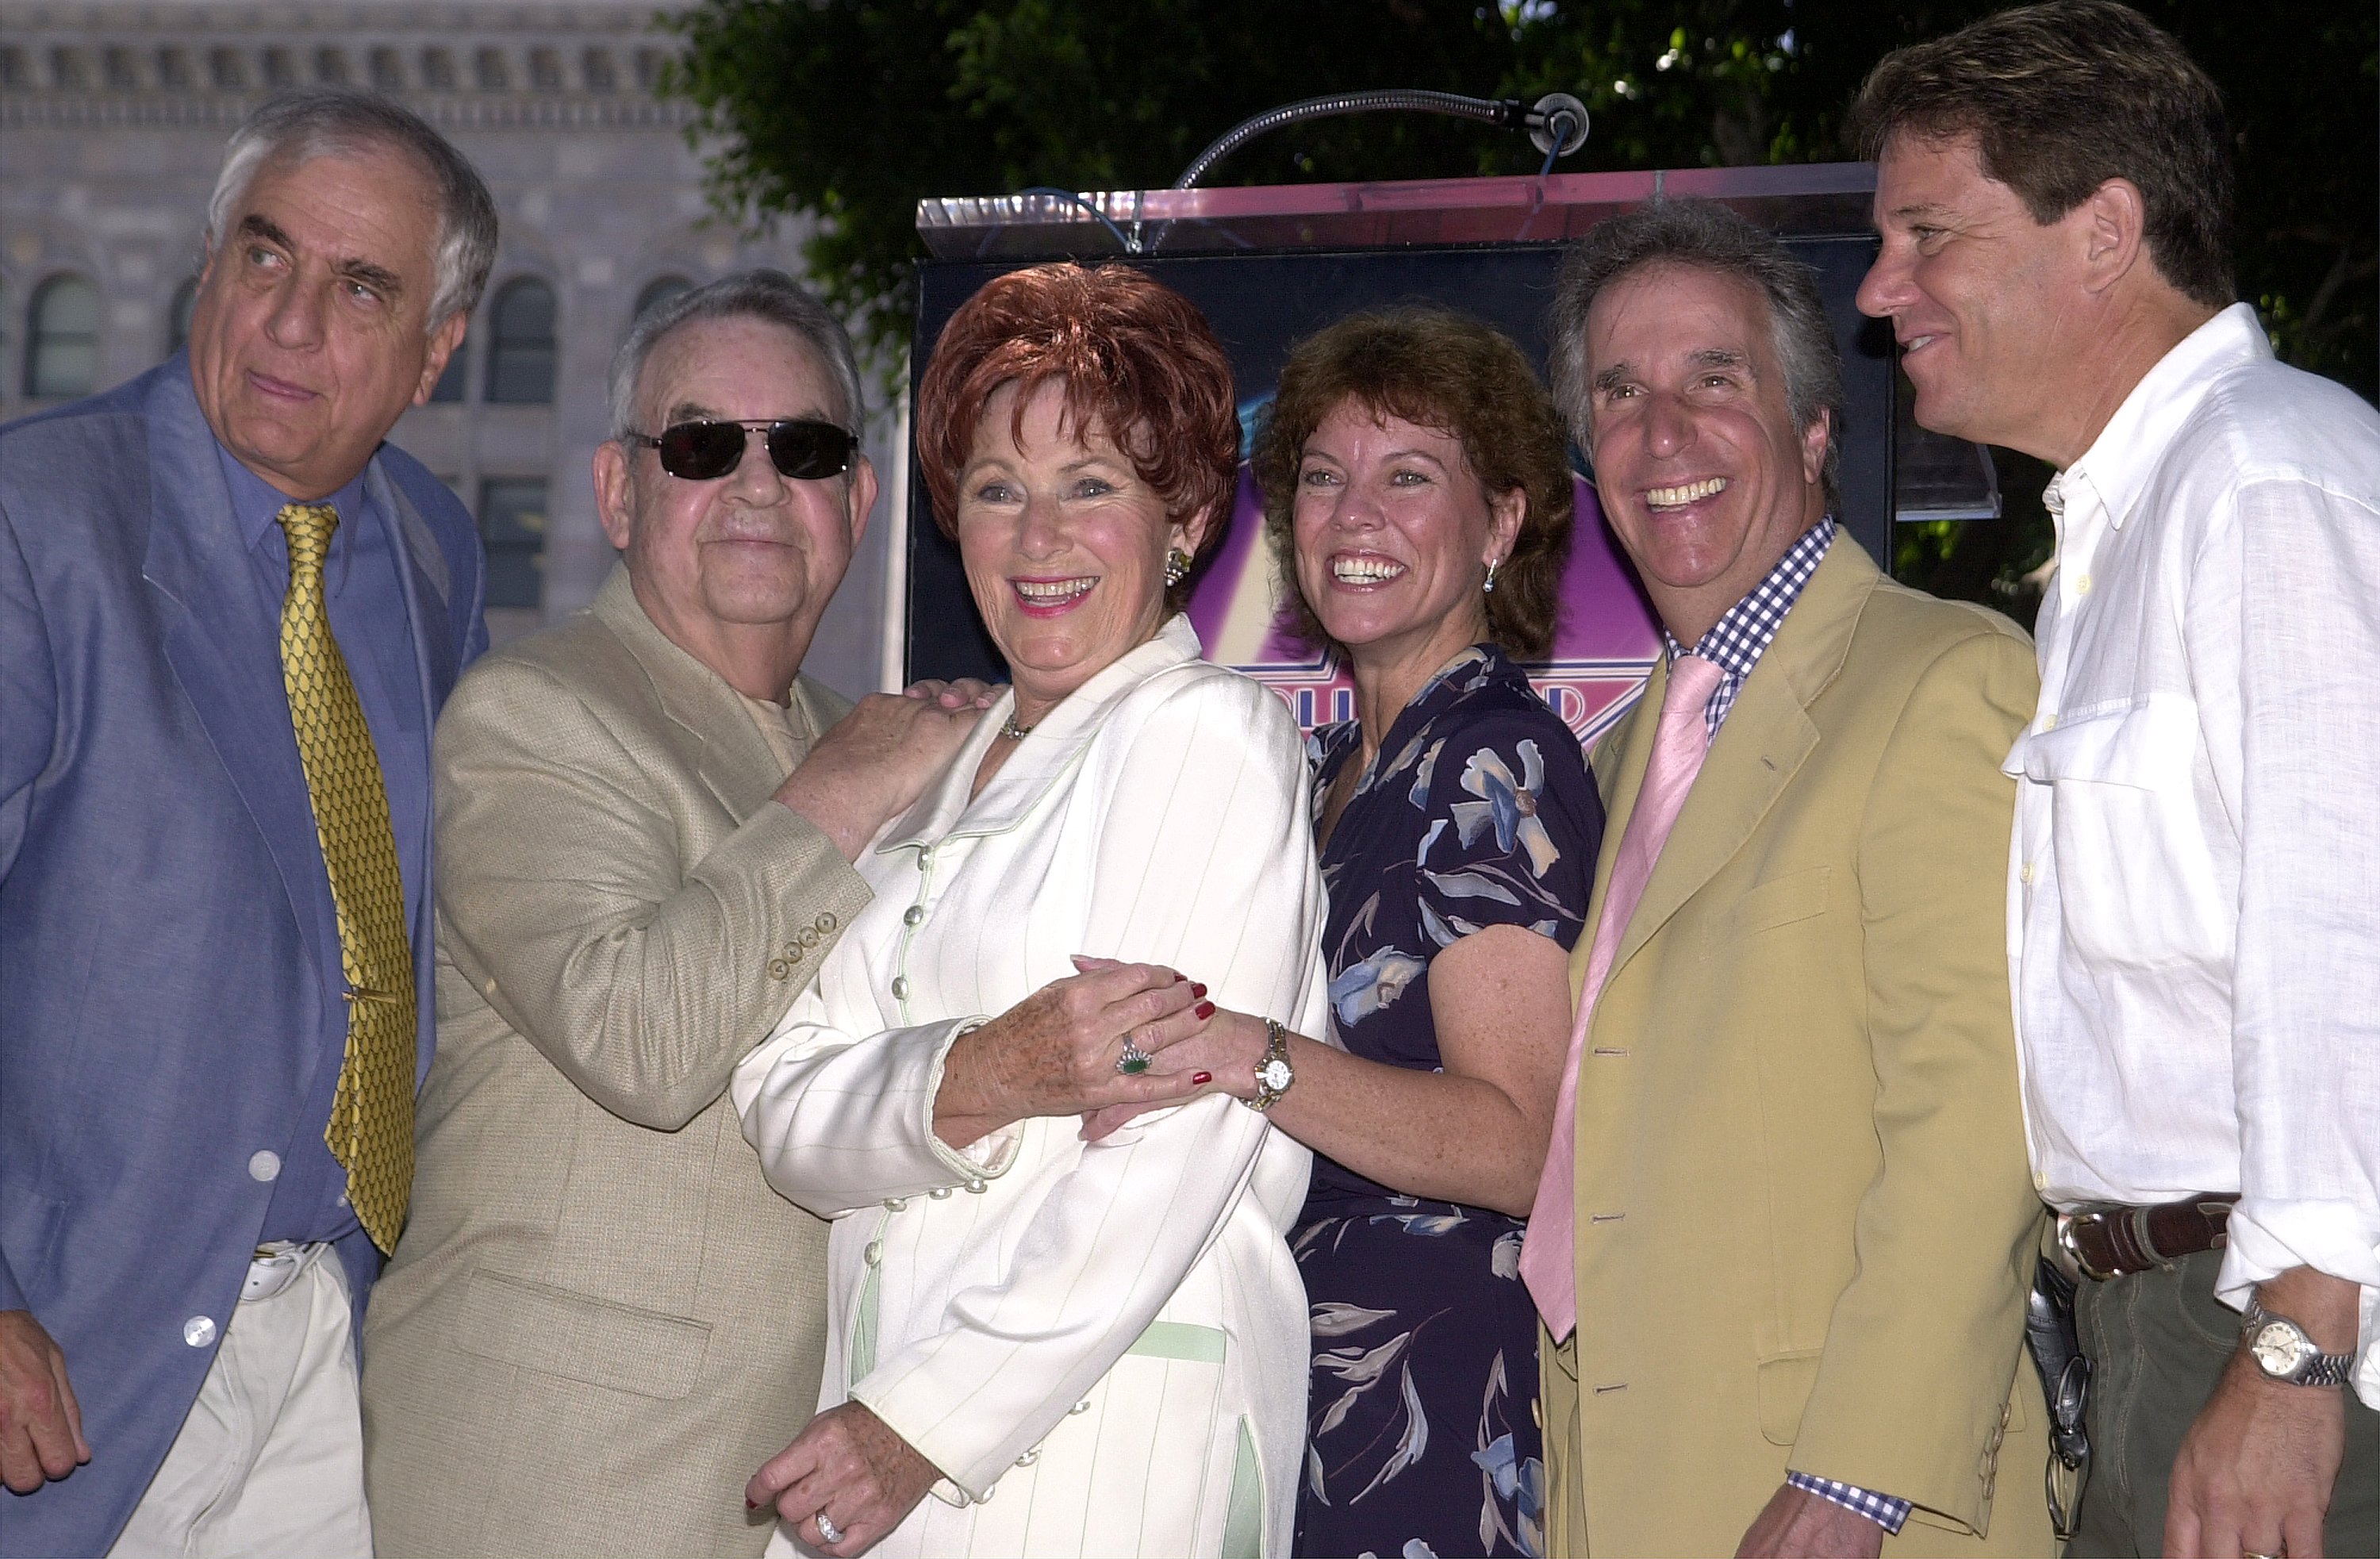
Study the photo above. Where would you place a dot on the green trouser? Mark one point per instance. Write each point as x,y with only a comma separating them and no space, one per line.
2158,1341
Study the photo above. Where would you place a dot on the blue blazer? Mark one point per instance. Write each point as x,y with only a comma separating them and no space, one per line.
163,900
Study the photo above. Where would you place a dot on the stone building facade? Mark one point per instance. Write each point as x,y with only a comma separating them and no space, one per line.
113,117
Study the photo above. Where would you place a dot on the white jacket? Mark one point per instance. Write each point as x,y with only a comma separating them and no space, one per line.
1102,1347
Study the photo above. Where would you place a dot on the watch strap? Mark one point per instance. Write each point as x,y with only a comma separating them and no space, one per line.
1275,1061
2316,1369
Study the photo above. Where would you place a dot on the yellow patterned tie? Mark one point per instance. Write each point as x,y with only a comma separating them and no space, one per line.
372,1118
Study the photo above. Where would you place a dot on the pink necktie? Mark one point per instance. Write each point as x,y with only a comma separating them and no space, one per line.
1547,1262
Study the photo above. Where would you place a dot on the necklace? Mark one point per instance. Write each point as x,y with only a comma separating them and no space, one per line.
1015,732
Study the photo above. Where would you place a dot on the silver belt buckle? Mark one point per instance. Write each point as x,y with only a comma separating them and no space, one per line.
274,1268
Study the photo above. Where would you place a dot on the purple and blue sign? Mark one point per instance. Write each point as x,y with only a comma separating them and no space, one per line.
1605,644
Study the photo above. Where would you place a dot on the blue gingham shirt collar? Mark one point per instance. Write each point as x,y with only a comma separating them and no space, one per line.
1739,638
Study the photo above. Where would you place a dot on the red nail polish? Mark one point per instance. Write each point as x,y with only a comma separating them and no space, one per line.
1198,990
1205,1009
1200,1079
751,1503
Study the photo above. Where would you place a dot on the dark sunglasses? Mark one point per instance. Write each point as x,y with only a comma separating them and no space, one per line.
801,449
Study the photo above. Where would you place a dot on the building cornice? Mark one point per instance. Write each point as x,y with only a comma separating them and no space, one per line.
469,111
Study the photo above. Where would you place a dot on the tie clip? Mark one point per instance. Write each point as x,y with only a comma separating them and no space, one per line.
364,993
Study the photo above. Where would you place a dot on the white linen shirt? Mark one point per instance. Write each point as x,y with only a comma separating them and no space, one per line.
1107,1343
2194,903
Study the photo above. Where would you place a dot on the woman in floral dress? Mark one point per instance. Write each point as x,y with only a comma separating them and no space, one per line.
1418,493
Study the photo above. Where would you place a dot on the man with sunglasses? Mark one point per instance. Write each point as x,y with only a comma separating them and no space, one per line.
600,1319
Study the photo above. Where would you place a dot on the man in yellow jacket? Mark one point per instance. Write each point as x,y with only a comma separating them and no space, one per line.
1785,1234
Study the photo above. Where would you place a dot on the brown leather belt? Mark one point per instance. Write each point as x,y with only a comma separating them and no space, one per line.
2111,1241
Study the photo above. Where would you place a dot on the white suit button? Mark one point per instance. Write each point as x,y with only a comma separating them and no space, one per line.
900,987
975,1186
198,1331
874,1255
264,1165
914,915
1029,1457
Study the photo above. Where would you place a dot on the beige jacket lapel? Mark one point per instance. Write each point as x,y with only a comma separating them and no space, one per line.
1768,736
735,763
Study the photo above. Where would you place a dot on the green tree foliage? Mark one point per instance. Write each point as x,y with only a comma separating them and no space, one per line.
852,110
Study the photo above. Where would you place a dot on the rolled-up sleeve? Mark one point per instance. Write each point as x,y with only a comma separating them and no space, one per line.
2303,561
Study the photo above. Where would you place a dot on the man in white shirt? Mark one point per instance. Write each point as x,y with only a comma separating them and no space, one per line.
2194,901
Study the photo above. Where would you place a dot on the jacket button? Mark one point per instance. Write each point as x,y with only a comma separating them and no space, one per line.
198,1331
874,1254
264,1165
939,1193
779,969
913,916
900,987
897,1204
975,1186
1082,1406
825,922
1029,1457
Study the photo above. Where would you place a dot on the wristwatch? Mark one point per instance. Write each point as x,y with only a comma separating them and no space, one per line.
2284,1352
1274,1073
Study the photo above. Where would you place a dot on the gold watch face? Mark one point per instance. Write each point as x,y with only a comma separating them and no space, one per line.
1274,1074
2278,1347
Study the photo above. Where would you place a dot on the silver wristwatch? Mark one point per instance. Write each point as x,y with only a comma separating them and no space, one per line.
1273,1071
2284,1352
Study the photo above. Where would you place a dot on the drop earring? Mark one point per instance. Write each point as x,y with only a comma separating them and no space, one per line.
1489,588
1177,566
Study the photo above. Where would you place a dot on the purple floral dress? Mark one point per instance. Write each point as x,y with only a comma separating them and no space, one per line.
1478,811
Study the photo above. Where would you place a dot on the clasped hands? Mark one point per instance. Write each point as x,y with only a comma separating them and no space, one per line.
1053,1054
1056,1053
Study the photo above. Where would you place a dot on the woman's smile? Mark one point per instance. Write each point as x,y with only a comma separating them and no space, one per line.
1052,597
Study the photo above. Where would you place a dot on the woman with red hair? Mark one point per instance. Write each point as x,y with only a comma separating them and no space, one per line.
1038,1345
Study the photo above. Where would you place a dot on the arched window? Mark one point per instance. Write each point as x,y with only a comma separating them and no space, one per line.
520,345
62,343
658,291
178,318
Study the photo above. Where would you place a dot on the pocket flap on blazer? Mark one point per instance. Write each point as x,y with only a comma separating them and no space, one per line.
1780,901
580,1337
1785,1386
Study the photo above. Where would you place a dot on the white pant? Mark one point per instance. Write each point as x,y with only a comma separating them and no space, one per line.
271,1460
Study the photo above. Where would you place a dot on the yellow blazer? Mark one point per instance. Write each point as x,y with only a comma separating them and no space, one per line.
1805,1223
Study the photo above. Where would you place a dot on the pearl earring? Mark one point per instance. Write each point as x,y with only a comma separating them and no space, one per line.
1177,566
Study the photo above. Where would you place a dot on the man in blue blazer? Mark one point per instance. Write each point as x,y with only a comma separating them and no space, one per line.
179,1261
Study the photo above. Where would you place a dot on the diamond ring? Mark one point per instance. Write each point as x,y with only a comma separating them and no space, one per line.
827,1529
1134,1061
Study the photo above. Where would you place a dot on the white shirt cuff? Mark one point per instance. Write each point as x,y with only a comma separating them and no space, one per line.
2268,1237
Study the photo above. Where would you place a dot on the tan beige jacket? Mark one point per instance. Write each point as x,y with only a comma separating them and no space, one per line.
601,1319
1806,1222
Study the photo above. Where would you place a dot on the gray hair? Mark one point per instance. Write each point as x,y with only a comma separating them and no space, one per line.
334,121
1711,238
767,295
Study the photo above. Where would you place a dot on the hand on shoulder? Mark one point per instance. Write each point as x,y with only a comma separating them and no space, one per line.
878,759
